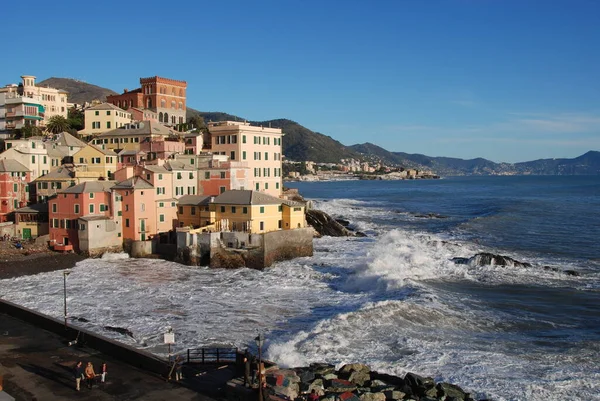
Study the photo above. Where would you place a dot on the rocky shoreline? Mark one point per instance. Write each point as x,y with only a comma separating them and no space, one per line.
28,262
357,382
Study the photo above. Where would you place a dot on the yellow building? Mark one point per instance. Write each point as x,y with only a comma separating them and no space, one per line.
195,211
104,117
256,212
97,160
32,221
260,147
129,136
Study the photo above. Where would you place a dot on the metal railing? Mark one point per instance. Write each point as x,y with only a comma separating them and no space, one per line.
212,355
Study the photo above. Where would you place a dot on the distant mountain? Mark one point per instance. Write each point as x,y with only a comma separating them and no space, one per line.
301,144
79,91
587,164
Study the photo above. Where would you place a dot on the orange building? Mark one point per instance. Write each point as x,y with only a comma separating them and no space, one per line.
163,96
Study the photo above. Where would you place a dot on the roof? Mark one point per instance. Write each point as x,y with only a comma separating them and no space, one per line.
157,169
89,187
136,182
180,165
194,200
108,152
66,139
56,152
131,152
10,165
106,106
141,128
247,197
35,208
64,172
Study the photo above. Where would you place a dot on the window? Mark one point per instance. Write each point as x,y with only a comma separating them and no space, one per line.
277,185
161,218
160,176
119,213
193,209
244,155
161,204
126,222
222,174
233,209
266,155
243,138
33,159
232,157
257,186
279,224
54,207
92,208
143,207
15,188
262,209
82,227
222,209
108,112
76,209
45,160
221,189
179,176
262,226
97,113
245,210
191,176
207,175
102,207
108,123
91,195
279,208
180,209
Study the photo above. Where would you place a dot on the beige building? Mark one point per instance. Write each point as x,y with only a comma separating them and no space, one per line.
104,117
129,136
260,147
53,100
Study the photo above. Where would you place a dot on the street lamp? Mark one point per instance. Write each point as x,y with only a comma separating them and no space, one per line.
260,340
65,274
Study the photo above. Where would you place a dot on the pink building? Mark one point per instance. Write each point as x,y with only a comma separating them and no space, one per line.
161,148
92,198
14,187
217,176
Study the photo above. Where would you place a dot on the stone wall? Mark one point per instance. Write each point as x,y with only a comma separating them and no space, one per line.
287,244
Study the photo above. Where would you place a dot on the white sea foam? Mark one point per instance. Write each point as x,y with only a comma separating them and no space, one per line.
379,300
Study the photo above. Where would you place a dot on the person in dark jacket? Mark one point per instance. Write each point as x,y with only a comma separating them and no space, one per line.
78,373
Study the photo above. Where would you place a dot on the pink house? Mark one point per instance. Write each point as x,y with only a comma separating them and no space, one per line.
161,148
92,198
14,187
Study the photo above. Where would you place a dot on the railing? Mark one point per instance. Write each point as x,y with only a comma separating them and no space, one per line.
212,355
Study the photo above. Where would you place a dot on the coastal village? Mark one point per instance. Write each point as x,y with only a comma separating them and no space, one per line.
136,179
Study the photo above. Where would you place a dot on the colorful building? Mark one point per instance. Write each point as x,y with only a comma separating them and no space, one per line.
130,136
18,110
259,147
30,152
89,199
194,211
94,159
14,188
32,221
165,97
104,117
60,178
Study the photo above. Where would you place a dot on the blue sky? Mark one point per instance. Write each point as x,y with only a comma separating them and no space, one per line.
500,79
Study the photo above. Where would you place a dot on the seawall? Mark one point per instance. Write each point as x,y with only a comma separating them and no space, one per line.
135,357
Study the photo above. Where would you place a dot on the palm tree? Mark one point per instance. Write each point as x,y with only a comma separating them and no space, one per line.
57,124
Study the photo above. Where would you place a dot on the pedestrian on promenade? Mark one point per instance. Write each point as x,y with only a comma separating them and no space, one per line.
78,373
103,371
90,375
178,368
247,369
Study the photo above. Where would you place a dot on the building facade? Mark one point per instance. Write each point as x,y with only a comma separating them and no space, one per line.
104,117
166,97
14,189
259,147
53,100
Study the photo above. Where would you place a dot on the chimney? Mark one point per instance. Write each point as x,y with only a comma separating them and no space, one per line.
125,90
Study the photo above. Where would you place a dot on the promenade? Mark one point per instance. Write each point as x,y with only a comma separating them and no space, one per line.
37,365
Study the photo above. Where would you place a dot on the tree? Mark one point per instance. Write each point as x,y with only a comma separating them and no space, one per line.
76,119
197,123
57,124
27,131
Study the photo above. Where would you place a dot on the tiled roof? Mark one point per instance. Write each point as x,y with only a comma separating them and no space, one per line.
247,197
106,106
35,208
157,169
180,165
133,183
10,165
107,152
141,128
66,139
64,172
194,200
94,217
89,187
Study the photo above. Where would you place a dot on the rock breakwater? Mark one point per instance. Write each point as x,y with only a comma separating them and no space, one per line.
357,382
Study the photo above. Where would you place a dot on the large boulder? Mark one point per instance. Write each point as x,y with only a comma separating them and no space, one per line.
324,224
419,384
450,391
340,386
372,397
488,259
357,373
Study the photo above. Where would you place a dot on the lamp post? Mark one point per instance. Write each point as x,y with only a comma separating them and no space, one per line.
65,274
260,340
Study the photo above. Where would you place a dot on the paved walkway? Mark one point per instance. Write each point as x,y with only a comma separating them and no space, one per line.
37,365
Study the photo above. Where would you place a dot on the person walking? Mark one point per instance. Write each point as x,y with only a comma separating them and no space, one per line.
78,373
90,375
103,371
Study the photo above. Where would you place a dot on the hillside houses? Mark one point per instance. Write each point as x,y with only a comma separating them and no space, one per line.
136,178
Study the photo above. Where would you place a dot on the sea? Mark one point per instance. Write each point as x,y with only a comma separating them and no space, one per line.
395,299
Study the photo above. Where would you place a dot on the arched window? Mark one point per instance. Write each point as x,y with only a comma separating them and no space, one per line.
131,103
149,103
166,118
160,117
163,103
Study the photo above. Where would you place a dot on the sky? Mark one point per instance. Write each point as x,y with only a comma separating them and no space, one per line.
505,80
